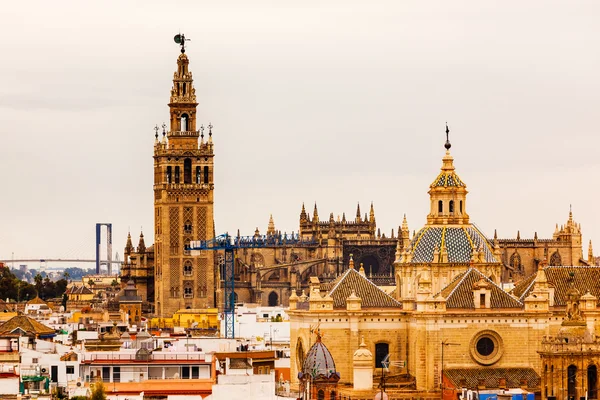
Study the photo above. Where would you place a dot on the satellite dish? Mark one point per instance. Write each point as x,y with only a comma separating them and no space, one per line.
178,38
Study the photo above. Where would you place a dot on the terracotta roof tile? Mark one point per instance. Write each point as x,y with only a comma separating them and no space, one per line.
459,293
372,296
491,376
584,279
26,324
523,287
36,300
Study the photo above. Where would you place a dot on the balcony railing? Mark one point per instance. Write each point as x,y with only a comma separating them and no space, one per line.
155,356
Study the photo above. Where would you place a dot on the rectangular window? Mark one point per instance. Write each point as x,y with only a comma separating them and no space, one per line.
70,369
195,372
482,300
34,361
185,372
105,374
116,374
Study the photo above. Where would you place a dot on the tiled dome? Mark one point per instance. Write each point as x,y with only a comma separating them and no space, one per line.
448,179
319,361
459,241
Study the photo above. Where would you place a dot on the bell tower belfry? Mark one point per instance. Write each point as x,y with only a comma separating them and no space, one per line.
183,201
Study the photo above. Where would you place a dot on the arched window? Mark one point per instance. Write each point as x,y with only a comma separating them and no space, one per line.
169,174
188,293
515,261
572,382
321,395
381,350
273,299
177,174
206,174
187,227
451,207
187,170
546,380
184,123
552,380
198,175
592,379
440,206
187,268
460,207
332,395
300,355
555,259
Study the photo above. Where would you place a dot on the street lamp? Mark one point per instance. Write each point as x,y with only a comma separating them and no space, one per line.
445,343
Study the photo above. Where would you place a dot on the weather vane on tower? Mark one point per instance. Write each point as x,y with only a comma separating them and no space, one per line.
180,40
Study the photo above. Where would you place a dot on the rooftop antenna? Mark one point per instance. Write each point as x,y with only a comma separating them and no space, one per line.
180,40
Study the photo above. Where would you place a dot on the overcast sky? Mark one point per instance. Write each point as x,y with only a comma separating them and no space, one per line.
335,102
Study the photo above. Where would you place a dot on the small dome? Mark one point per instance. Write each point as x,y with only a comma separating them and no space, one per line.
318,361
461,242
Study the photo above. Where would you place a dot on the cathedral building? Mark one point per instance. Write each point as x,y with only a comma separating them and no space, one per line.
450,323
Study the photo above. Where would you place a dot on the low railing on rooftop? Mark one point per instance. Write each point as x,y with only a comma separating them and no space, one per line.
155,356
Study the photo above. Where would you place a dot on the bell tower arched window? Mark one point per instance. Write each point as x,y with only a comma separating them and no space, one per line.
187,170
440,206
187,268
206,174
177,174
183,125
169,176
451,207
198,175
460,207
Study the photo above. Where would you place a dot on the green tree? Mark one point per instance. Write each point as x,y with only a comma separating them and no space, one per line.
13,288
61,287
38,283
98,392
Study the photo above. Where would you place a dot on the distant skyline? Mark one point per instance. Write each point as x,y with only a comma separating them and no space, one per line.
337,102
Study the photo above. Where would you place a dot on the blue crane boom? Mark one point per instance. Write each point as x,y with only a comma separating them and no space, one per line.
229,244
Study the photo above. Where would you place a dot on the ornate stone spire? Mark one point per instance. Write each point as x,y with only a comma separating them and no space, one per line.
303,214
129,245
271,227
141,244
351,263
591,259
372,215
358,218
182,106
315,214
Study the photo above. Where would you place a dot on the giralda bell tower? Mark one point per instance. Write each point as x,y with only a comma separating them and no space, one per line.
183,201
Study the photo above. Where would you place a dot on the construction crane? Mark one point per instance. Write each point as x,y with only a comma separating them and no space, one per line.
231,243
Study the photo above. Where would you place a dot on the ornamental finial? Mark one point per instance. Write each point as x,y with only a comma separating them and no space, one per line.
447,145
